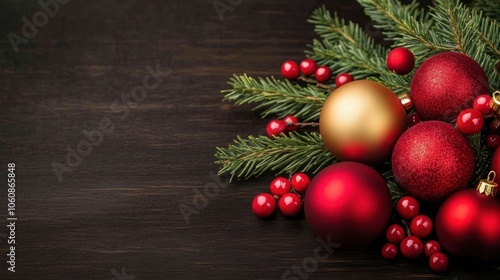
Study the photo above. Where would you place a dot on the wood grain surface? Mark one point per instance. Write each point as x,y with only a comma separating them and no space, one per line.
115,213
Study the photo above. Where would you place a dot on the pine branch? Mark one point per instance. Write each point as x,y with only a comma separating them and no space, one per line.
277,97
483,157
285,154
490,8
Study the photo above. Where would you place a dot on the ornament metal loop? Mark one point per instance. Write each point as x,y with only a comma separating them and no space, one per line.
488,186
495,102
406,101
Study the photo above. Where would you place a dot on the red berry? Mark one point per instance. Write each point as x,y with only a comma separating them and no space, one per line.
300,181
470,121
290,70
308,66
323,74
431,247
342,79
407,207
280,186
421,226
413,119
290,122
290,204
482,104
492,141
263,205
494,126
438,262
389,251
411,247
275,128
400,60
395,233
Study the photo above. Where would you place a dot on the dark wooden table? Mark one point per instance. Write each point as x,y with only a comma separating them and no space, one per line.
114,212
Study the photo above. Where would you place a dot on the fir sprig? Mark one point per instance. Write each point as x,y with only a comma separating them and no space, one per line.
276,97
285,154
490,8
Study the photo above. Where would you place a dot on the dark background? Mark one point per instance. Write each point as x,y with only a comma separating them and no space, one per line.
116,215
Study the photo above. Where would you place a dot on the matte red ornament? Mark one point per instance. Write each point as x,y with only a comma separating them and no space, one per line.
445,84
468,224
348,203
400,60
432,160
495,163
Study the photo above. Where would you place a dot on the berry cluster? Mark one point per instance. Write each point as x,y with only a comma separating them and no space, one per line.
276,127
410,243
288,193
291,70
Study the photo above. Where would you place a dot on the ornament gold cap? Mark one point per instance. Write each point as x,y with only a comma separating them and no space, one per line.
487,186
406,101
495,102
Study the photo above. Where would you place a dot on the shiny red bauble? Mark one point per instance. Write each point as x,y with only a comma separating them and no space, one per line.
445,84
290,70
468,224
308,66
263,205
432,160
482,104
323,74
290,204
470,121
348,203
400,60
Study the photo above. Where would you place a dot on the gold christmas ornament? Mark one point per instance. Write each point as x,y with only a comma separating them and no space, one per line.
406,101
488,186
361,121
495,102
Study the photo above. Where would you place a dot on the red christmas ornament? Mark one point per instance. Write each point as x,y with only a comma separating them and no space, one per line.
349,203
445,84
401,61
467,223
432,160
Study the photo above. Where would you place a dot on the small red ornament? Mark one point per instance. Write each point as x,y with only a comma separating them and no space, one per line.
432,160
300,181
394,233
407,207
290,70
470,121
445,84
421,226
438,262
275,128
308,66
400,60
323,74
291,122
280,186
482,104
342,79
411,247
389,251
431,247
349,203
467,223
413,119
492,141
290,204
263,205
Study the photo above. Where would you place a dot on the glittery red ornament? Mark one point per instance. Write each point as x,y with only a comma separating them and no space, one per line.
445,84
468,224
348,203
432,160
